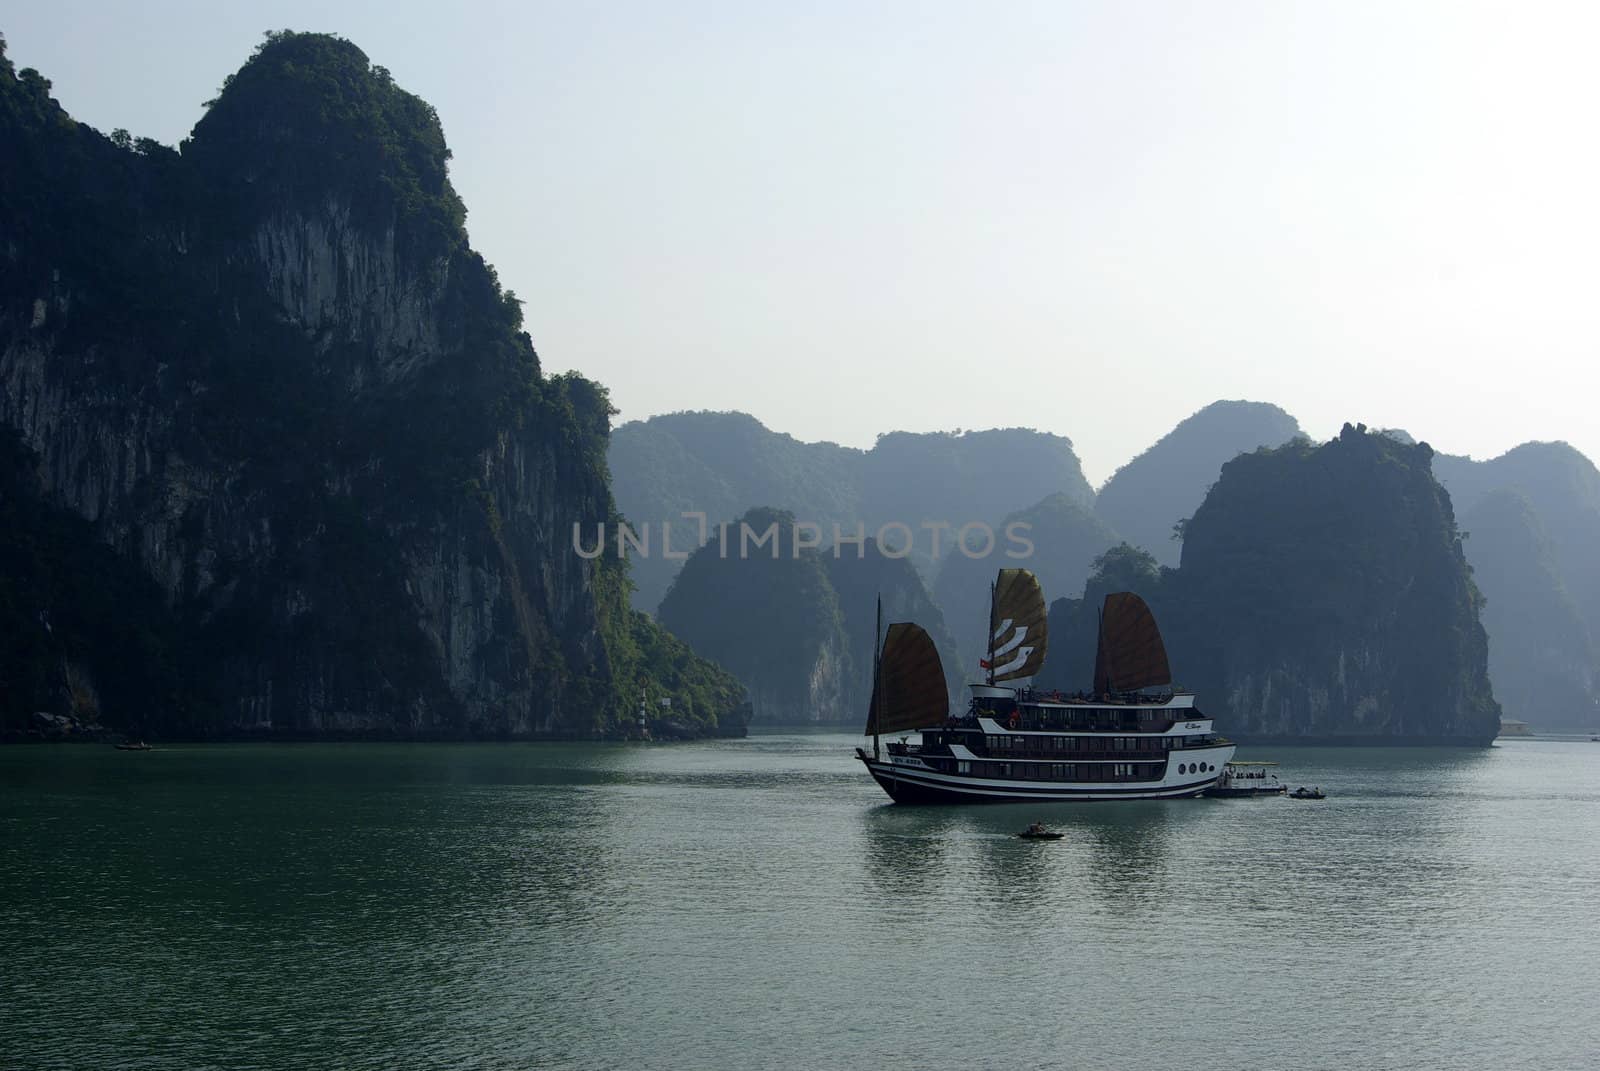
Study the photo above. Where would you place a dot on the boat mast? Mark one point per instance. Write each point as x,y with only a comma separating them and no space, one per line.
1105,655
993,624
877,677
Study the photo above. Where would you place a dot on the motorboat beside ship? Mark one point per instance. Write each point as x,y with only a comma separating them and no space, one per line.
1248,779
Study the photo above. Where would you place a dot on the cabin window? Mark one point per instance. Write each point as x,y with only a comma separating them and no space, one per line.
963,767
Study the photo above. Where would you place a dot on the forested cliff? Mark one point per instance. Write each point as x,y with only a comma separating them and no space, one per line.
797,625
722,464
1323,595
268,371
1533,517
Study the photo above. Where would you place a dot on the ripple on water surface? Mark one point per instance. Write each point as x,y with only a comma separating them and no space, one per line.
756,903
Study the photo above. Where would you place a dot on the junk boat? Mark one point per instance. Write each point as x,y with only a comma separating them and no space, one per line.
1122,741
1248,779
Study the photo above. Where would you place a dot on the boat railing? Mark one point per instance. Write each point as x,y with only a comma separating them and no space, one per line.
1143,699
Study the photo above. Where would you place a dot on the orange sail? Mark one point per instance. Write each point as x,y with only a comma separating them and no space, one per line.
1131,655
1017,630
908,691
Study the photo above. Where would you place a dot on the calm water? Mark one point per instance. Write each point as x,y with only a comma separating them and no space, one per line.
758,904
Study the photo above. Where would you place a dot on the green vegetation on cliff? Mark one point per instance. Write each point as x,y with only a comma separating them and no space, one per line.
1323,595
278,381
310,113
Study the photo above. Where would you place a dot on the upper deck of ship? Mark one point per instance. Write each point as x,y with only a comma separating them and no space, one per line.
989,715
1032,697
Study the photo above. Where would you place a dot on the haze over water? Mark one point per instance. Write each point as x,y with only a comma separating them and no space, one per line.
757,903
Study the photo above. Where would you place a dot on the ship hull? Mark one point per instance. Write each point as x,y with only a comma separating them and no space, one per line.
913,785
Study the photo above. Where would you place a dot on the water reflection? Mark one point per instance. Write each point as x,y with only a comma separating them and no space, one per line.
1117,852
289,881
907,849
1129,850
758,903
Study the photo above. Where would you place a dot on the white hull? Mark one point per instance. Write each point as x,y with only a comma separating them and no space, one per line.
910,780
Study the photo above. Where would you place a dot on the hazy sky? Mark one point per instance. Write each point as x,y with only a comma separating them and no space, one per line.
1090,218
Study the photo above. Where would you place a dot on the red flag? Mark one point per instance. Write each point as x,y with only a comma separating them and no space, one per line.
983,663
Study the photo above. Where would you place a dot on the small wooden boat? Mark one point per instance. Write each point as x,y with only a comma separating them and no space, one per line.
1039,832
1303,793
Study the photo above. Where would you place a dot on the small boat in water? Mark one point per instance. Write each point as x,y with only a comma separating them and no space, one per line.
140,746
1037,831
1247,779
1304,793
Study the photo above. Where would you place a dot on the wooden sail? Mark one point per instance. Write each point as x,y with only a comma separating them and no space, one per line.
1130,655
1017,627
909,691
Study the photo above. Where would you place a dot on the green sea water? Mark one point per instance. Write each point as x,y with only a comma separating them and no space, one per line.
760,904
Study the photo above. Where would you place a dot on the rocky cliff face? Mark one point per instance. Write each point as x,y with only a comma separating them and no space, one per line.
272,373
1542,657
768,612
1533,515
861,578
1323,596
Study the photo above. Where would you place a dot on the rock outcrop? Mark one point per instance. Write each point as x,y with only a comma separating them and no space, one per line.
1533,520
796,624
271,373
1163,486
1323,597
1542,657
